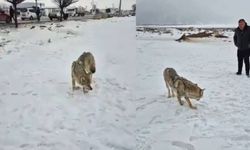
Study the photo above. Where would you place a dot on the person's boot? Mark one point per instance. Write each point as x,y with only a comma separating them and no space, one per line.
238,73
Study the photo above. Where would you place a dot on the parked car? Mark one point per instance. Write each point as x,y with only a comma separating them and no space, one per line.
77,11
55,14
4,17
80,11
111,12
132,12
125,13
71,12
28,13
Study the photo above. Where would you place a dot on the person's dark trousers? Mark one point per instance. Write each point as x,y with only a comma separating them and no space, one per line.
38,17
12,18
243,55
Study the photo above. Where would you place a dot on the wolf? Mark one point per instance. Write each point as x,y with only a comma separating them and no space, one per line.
188,90
182,87
82,70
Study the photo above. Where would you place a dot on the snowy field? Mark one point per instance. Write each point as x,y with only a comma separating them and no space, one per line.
221,121
39,110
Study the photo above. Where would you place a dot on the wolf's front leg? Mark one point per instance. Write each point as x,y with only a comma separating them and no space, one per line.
190,104
84,89
179,100
73,84
168,87
169,94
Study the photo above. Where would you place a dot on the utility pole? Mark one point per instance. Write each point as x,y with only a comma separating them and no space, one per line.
36,10
36,5
120,8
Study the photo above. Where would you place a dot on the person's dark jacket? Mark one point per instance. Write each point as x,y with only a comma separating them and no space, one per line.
38,11
11,12
242,38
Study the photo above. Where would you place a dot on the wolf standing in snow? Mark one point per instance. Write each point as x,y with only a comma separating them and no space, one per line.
82,70
242,42
182,87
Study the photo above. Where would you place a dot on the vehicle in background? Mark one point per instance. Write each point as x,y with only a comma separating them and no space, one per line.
28,10
99,13
75,11
71,12
18,12
28,13
132,13
55,14
81,11
125,13
111,11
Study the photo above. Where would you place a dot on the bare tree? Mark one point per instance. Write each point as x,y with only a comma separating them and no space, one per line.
134,7
14,4
63,4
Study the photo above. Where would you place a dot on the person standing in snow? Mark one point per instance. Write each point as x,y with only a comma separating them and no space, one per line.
38,13
11,12
242,42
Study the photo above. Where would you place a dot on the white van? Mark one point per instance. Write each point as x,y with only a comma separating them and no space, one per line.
28,13
71,12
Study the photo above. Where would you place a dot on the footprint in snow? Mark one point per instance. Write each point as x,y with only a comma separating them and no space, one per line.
14,93
34,94
183,145
247,130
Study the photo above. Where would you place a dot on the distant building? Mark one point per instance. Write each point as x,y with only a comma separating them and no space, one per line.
4,8
30,5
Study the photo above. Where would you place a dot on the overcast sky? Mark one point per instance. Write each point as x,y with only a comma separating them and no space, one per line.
126,4
192,11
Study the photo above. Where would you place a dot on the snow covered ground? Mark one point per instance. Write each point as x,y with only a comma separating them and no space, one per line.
38,109
221,121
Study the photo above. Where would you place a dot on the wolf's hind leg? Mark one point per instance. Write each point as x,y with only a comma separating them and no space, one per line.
168,87
73,84
74,87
